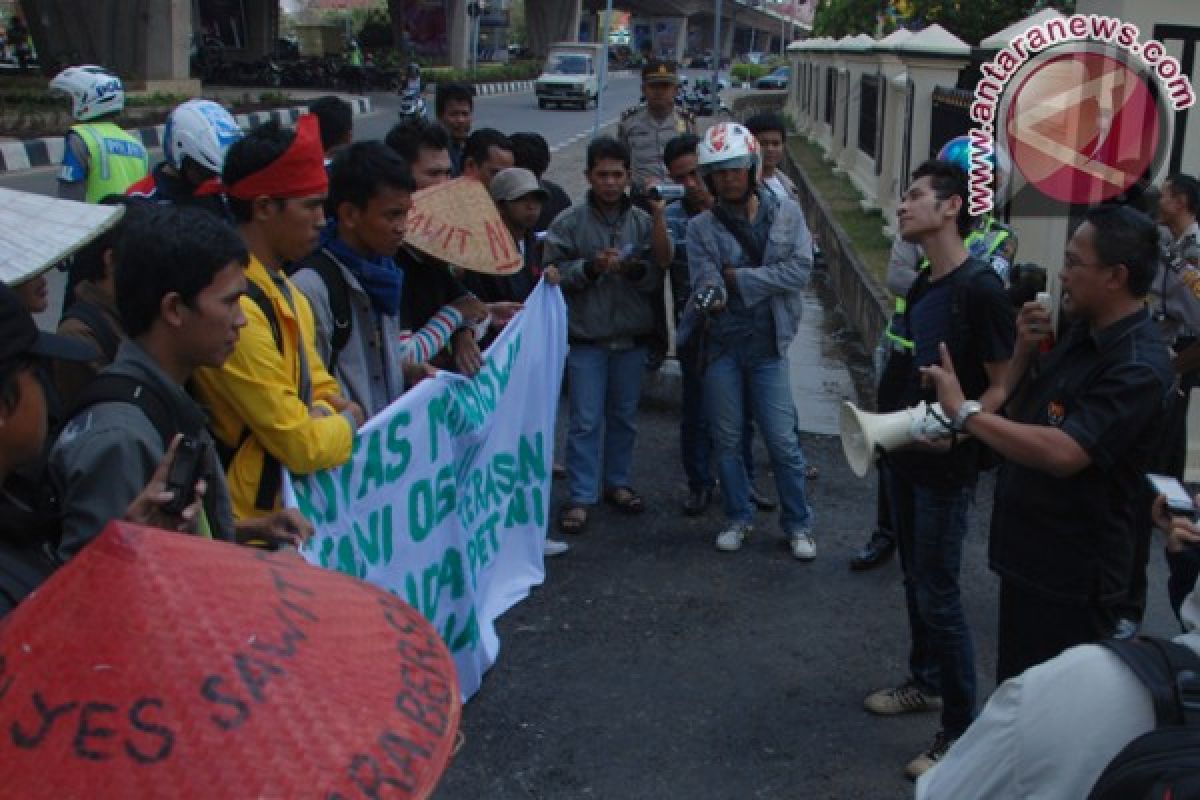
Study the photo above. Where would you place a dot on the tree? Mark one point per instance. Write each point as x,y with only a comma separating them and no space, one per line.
838,18
516,23
970,20
975,20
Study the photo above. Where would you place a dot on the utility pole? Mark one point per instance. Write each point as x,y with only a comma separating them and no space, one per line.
602,67
716,79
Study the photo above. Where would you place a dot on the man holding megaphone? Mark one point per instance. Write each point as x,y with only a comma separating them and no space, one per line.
1081,425
960,302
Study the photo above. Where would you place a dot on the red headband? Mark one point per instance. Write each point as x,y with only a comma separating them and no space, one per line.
299,172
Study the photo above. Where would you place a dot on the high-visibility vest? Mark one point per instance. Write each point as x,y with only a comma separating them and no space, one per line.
982,242
116,159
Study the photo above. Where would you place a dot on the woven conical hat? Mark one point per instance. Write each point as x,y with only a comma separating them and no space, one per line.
37,232
458,223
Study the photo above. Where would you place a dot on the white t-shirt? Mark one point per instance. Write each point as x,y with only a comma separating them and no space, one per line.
1048,733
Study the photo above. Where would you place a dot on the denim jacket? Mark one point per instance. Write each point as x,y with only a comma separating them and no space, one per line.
787,270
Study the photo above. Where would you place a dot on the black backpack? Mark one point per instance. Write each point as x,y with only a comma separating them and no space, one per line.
109,387
1163,764
98,323
325,265
270,478
899,365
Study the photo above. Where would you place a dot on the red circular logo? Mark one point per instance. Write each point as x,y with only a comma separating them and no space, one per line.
1083,127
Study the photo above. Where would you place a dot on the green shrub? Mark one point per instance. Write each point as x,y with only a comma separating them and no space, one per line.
749,72
277,99
487,73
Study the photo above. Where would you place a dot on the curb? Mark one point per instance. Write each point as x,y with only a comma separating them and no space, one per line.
48,150
507,87
503,87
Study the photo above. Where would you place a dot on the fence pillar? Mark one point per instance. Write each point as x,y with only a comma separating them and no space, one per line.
841,98
931,58
894,86
860,165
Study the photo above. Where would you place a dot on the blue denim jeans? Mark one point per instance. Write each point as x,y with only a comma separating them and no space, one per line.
930,526
695,438
738,385
602,396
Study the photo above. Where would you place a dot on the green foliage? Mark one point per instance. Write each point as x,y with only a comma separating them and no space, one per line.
749,72
487,73
838,18
970,20
975,20
518,31
863,228
155,100
277,99
376,31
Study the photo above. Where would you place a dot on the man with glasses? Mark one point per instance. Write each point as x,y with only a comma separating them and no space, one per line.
1077,438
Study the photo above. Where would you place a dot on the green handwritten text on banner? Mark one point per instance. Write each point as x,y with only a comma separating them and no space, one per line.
445,498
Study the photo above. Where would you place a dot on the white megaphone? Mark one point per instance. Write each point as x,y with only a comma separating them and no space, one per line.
865,434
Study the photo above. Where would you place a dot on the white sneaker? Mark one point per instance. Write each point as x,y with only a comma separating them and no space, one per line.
803,546
730,540
554,547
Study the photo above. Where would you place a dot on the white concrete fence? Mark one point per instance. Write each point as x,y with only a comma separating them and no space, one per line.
869,105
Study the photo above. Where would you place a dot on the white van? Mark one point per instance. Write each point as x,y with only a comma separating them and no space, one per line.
571,75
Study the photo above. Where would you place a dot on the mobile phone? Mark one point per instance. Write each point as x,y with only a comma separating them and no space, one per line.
186,469
1179,502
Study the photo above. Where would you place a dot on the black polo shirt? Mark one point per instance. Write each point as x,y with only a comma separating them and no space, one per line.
1072,539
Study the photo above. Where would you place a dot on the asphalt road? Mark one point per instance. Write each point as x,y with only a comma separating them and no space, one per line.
651,666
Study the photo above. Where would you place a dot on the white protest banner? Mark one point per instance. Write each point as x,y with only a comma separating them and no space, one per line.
445,499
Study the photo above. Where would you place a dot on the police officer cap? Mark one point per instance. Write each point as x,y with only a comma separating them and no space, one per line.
657,71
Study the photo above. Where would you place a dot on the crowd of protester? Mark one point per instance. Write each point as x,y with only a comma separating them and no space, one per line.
258,303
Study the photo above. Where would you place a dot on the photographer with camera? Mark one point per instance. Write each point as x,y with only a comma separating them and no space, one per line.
137,410
749,257
695,438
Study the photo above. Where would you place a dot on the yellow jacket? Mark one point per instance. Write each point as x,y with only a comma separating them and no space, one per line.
255,402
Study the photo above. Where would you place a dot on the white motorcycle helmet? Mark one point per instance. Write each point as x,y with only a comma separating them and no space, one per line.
202,131
95,92
728,145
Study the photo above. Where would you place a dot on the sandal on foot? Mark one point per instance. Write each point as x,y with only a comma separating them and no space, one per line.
572,519
625,500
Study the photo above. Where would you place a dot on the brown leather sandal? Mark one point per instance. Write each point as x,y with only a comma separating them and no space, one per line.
625,499
572,519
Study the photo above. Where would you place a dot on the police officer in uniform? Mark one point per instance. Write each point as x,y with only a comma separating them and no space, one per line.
1174,303
645,131
99,158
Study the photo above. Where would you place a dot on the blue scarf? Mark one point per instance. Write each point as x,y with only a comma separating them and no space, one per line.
381,278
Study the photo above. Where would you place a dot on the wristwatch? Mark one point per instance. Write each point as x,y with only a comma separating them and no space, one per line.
968,409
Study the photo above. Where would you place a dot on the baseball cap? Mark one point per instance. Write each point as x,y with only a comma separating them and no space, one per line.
19,336
514,183
658,71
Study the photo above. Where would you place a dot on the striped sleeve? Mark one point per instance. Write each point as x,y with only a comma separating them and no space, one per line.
419,347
